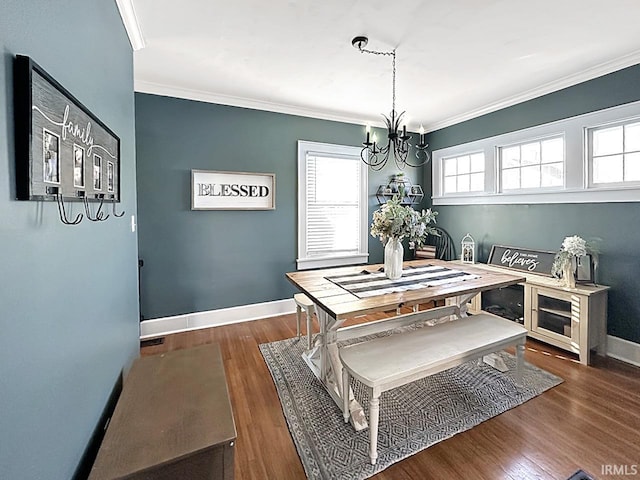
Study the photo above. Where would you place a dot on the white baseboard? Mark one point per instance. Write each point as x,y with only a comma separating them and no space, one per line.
213,318
623,350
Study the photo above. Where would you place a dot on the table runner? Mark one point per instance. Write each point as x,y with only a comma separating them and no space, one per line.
368,284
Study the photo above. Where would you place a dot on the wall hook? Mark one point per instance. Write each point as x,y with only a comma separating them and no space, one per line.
99,217
63,213
113,205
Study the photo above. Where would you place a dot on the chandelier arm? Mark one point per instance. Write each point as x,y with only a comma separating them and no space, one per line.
400,150
376,158
385,151
423,157
372,160
378,166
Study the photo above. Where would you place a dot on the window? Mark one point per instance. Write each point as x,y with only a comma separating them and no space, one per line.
332,206
464,173
615,153
594,157
538,164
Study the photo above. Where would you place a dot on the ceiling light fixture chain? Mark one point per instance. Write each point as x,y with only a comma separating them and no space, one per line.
398,142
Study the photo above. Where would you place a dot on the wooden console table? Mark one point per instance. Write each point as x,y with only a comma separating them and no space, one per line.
173,420
574,319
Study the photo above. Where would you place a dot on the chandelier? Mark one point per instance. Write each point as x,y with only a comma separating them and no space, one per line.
372,153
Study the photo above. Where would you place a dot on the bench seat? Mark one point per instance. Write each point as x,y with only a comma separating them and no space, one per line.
389,362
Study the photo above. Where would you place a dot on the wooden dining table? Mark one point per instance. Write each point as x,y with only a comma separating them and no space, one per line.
336,302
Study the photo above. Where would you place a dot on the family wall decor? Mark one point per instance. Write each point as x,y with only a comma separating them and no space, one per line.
63,152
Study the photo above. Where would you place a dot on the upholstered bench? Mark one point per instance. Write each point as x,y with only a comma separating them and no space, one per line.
395,360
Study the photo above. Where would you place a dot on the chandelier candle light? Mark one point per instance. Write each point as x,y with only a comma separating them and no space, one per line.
397,139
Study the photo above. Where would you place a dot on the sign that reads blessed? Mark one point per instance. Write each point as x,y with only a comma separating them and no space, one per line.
212,190
525,260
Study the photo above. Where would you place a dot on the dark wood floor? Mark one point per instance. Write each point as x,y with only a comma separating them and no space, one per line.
589,421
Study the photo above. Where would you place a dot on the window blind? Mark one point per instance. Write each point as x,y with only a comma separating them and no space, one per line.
333,206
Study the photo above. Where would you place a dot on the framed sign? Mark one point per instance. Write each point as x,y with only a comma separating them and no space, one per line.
211,190
62,149
522,259
585,271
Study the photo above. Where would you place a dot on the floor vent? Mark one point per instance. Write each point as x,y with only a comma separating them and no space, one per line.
151,341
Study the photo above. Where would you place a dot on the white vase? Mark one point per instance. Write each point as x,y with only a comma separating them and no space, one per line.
568,275
393,256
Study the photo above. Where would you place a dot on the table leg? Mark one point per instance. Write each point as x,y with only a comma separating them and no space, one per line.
494,360
462,302
324,362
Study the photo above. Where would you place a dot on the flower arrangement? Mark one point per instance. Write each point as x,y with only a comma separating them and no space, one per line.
573,247
394,220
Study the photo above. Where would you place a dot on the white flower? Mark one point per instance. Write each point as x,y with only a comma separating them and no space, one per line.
395,220
575,245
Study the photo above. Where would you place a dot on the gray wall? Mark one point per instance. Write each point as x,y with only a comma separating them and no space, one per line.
68,295
204,260
545,226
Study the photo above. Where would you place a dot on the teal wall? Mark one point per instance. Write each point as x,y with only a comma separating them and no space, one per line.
205,260
68,295
545,226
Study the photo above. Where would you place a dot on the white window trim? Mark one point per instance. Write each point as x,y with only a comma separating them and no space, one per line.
484,172
588,135
305,148
519,191
576,175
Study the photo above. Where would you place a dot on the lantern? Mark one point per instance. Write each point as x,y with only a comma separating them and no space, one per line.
468,249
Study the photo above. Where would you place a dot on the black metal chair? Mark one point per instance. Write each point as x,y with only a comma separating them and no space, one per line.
436,246
445,248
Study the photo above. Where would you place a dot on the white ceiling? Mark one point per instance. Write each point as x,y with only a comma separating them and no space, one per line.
456,59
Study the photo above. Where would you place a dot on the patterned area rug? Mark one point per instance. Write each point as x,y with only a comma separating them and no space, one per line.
412,417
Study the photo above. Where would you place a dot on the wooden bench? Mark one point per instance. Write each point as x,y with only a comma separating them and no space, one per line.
389,362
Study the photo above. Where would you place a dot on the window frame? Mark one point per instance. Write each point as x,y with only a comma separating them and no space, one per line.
457,157
331,150
528,141
578,187
589,155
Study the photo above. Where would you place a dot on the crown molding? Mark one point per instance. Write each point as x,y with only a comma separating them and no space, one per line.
568,81
131,23
242,102
619,63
